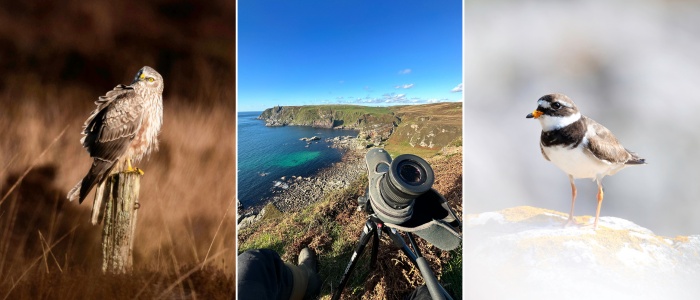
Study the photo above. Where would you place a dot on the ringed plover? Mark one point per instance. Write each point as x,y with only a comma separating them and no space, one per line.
579,146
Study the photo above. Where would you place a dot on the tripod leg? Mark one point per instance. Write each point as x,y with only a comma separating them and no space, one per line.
436,290
375,248
368,231
434,287
413,244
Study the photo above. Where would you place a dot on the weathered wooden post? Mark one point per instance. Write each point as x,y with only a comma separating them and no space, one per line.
116,203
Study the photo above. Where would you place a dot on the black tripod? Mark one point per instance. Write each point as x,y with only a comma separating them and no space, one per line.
373,229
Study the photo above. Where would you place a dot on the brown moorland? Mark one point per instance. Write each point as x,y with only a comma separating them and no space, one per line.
55,60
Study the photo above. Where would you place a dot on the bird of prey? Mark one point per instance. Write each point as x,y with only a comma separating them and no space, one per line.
123,128
579,146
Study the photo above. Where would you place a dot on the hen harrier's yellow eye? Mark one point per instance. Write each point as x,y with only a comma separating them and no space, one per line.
150,79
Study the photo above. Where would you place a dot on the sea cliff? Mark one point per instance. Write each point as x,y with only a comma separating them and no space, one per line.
400,128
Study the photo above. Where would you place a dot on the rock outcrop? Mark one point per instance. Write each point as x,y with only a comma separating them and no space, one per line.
309,139
527,253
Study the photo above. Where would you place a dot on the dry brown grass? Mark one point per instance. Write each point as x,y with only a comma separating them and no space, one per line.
188,186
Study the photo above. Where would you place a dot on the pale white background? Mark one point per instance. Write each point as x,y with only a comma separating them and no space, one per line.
633,66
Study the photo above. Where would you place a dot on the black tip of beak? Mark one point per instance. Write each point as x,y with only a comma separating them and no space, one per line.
529,116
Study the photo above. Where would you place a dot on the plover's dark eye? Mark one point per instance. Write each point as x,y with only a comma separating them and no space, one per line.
556,105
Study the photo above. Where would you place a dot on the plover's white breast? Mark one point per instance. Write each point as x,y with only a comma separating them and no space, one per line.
578,162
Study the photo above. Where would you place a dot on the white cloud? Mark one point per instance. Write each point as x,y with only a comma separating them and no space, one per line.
458,88
405,86
388,99
405,71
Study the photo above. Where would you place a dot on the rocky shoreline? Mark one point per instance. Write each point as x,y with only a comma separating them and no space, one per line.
294,193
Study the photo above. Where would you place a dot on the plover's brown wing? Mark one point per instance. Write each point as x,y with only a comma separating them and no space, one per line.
603,144
542,150
635,159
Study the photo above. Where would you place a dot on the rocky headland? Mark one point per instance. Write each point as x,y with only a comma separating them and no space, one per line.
430,126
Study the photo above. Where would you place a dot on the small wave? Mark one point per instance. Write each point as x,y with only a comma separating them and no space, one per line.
280,184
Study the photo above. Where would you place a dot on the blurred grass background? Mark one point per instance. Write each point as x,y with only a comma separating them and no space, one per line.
632,66
56,59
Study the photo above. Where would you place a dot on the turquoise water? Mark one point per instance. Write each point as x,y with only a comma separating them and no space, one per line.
265,154
296,159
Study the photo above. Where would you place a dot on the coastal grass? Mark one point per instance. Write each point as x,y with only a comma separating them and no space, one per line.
332,227
403,147
452,274
317,226
426,129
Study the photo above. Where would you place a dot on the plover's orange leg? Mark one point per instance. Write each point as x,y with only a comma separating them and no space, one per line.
571,221
600,202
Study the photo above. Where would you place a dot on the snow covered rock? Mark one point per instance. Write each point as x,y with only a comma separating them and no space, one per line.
527,253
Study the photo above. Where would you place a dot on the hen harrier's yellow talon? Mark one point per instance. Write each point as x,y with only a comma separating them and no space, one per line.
129,168
134,170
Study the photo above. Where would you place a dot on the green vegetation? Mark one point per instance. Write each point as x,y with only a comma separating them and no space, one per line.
425,129
452,273
397,148
456,143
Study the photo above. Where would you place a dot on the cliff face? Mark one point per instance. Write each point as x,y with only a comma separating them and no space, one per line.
527,253
327,116
431,126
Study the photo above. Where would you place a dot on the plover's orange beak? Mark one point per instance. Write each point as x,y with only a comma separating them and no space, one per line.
535,114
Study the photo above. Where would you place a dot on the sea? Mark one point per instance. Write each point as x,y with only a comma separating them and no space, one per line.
265,154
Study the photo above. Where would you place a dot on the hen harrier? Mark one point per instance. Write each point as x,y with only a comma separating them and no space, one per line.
123,127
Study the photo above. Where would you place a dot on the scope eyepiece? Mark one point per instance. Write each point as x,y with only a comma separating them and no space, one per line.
409,176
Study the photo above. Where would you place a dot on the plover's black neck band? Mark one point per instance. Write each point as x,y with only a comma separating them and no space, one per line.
568,136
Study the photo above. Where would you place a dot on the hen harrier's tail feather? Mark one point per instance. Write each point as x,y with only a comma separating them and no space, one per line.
99,170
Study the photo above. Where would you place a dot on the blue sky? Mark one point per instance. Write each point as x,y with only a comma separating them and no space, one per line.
348,52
